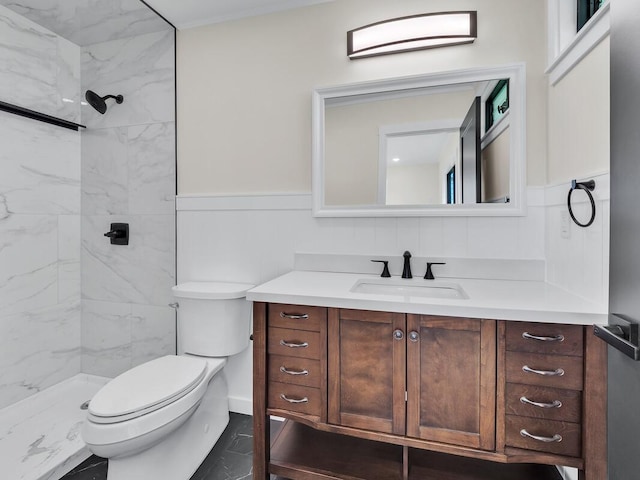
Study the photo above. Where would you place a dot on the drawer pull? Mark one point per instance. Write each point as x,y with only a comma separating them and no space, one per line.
294,372
294,345
294,316
555,439
555,338
558,372
554,404
294,400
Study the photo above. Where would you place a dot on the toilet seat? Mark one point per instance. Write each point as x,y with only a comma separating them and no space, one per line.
146,388
104,430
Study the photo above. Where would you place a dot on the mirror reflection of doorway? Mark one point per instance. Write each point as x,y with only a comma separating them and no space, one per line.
414,165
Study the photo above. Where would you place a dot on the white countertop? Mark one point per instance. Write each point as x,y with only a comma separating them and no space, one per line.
533,301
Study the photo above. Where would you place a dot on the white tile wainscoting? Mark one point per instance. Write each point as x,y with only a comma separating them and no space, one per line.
254,238
579,263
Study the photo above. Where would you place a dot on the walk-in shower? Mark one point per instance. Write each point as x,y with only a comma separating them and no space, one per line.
76,310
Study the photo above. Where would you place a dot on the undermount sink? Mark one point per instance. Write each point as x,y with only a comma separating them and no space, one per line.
409,288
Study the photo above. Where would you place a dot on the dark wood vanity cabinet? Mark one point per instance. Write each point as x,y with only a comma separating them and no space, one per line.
392,396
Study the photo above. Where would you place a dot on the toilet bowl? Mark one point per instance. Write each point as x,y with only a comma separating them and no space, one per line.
159,420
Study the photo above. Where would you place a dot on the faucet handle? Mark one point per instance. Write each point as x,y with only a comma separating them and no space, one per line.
429,274
385,270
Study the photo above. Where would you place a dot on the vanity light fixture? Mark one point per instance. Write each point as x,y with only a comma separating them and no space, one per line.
415,32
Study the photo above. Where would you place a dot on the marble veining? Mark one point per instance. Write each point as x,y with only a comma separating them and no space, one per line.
40,436
51,354
40,70
152,173
85,22
104,171
40,167
142,272
139,68
119,336
129,170
28,262
39,214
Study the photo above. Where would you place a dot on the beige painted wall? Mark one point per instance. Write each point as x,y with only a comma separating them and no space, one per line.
578,120
244,87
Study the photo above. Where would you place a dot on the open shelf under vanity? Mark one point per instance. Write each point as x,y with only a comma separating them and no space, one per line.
300,452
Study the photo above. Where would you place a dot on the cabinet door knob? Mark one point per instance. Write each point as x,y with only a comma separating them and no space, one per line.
398,334
414,336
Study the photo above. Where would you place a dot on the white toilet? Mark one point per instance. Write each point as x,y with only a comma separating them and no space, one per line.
159,420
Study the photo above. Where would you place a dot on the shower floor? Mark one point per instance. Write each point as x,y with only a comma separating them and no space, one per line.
40,435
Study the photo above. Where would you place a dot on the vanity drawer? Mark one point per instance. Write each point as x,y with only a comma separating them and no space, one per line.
294,398
294,370
560,438
546,338
543,402
298,317
557,371
293,343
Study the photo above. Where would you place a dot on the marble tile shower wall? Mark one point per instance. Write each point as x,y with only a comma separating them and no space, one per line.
39,211
40,70
128,175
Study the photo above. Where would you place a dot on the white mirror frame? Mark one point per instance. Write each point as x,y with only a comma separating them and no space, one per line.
516,73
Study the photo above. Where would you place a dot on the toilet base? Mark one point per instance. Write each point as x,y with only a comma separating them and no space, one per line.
179,455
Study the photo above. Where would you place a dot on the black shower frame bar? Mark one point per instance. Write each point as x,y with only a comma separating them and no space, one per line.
42,117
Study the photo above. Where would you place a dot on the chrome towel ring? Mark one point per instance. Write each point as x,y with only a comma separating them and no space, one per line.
588,186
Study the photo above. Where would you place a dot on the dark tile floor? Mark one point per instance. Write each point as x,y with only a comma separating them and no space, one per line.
230,459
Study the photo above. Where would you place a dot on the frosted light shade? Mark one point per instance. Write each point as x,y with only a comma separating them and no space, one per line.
415,32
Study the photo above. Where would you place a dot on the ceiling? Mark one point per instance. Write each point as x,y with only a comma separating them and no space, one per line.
192,13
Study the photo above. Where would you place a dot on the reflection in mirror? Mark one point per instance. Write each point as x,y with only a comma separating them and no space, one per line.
397,147
416,165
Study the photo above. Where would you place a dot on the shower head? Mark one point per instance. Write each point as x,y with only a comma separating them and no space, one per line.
98,102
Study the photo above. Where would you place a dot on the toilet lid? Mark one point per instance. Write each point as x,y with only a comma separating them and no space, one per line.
157,382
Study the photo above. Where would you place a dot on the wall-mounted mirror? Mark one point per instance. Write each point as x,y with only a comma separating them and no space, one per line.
443,144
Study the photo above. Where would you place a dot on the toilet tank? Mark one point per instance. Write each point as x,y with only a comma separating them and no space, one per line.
214,318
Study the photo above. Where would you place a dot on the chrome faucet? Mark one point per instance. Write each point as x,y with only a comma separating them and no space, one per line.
406,271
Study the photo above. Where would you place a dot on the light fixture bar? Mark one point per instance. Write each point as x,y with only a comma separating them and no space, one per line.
415,32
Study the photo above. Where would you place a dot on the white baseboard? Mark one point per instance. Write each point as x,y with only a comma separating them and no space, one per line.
241,405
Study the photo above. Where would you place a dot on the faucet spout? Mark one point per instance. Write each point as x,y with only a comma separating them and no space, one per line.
406,271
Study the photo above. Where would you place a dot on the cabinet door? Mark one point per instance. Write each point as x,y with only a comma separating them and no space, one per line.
367,376
451,377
